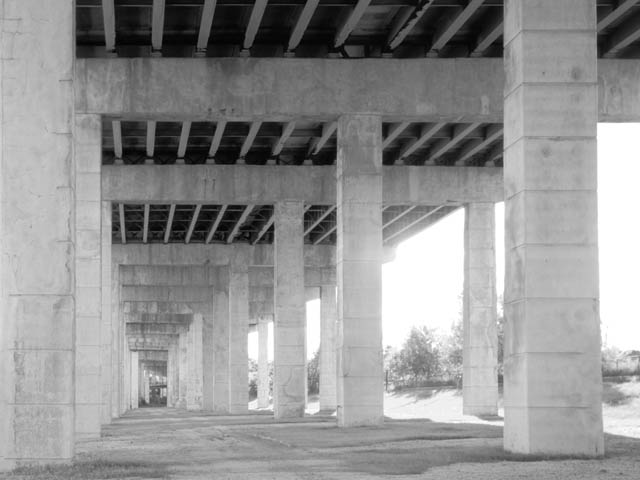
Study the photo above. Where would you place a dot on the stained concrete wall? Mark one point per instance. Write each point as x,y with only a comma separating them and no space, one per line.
38,244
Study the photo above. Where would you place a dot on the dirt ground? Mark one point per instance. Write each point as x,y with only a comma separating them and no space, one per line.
171,444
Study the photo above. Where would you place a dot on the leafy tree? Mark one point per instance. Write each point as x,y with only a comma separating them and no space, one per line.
313,374
419,358
253,379
452,345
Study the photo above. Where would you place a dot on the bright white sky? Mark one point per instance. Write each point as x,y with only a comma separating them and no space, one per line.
424,283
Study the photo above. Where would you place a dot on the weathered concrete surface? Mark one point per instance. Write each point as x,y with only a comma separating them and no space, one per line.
239,330
328,372
259,184
183,370
359,267
38,244
273,89
479,312
208,354
88,364
289,331
195,363
173,375
455,90
221,315
552,339
156,254
134,363
109,339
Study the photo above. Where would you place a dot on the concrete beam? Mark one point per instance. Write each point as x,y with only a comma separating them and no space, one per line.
286,88
109,19
206,20
281,89
350,23
301,24
456,23
213,254
263,184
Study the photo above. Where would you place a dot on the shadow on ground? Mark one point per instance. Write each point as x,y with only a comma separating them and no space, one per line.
177,445
93,470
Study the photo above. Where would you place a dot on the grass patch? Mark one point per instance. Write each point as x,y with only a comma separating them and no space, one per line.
90,470
618,394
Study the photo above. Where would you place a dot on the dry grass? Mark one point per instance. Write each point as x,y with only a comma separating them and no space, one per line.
90,470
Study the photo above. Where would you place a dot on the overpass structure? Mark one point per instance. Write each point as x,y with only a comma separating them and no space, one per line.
176,172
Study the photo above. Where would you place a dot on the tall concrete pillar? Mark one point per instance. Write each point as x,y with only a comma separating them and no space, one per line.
121,348
290,372
172,375
221,351
328,372
183,370
552,339
208,354
480,350
37,224
145,383
88,148
135,379
359,270
126,380
239,330
263,361
194,347
107,338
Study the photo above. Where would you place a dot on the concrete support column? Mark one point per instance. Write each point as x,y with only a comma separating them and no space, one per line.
172,375
121,358
290,372
239,330
328,372
263,361
145,383
107,338
359,270
552,337
37,224
183,370
88,147
208,354
194,347
221,351
135,380
126,380
480,350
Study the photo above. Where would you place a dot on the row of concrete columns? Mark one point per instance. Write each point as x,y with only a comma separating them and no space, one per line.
187,371
58,349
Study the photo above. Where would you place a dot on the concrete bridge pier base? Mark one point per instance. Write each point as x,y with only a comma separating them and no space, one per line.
553,384
480,349
328,373
290,373
359,270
